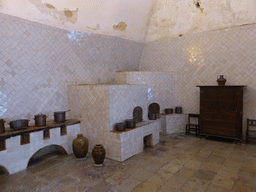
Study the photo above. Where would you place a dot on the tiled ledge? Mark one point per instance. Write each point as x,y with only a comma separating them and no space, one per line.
50,125
140,124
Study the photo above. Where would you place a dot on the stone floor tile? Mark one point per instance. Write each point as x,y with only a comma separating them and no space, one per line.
211,166
197,184
165,188
205,174
241,147
216,159
172,167
188,189
160,177
224,179
242,188
215,188
236,155
102,187
186,172
117,178
204,152
127,185
176,182
232,165
222,153
153,166
142,175
193,164
246,179
146,187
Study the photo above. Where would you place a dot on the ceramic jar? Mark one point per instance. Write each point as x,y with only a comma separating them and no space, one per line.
98,154
221,80
80,146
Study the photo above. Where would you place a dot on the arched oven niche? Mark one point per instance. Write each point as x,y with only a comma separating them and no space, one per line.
138,114
154,108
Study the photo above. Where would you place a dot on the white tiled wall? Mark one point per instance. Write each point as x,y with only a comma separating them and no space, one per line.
38,62
161,86
199,59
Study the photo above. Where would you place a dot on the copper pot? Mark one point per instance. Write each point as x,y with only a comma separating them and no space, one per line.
19,124
120,127
168,111
40,120
178,110
2,128
130,123
60,116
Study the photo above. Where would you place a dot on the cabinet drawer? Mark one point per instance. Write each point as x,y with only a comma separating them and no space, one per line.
221,117
219,128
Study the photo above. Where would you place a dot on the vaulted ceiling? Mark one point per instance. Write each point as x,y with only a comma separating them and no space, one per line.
138,20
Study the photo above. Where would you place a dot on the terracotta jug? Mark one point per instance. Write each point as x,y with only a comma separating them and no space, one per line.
80,146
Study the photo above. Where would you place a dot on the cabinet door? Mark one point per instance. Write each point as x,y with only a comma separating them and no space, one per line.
221,111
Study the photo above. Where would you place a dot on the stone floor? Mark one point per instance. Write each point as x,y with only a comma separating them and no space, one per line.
178,163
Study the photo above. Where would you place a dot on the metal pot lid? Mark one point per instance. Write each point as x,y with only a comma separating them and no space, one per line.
62,111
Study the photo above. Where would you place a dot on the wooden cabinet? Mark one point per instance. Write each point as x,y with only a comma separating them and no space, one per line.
221,111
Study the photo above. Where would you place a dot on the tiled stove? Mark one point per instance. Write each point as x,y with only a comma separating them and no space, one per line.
100,106
162,89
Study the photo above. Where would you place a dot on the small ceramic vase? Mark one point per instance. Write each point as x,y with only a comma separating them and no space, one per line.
98,154
221,80
80,146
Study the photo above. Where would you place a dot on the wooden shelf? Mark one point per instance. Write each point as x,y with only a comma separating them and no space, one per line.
50,125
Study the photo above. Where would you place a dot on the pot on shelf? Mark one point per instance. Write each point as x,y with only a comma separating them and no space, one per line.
2,128
60,116
130,123
168,110
120,126
98,154
19,124
40,120
80,146
178,110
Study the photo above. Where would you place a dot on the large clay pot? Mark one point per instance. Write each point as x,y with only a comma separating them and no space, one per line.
80,146
221,80
98,154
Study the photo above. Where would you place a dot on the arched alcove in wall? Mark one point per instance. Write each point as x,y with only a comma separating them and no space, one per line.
154,107
45,152
138,114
